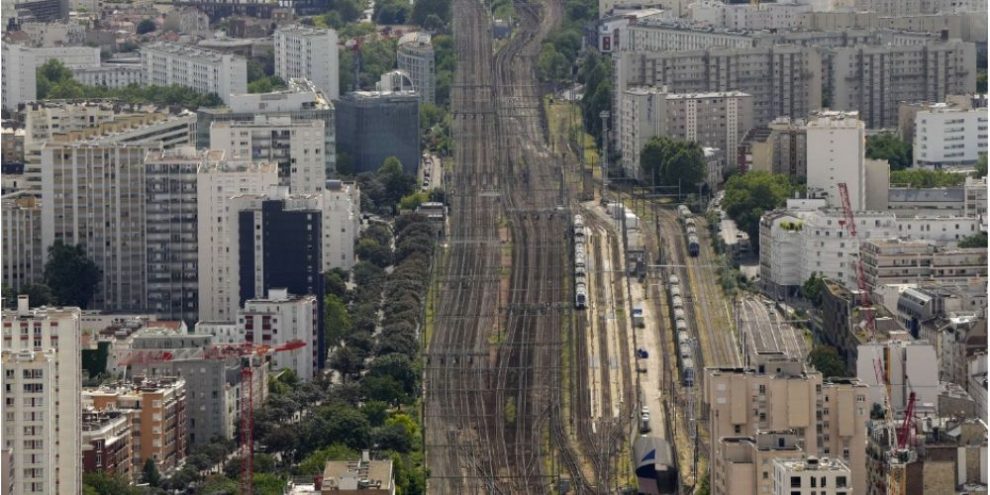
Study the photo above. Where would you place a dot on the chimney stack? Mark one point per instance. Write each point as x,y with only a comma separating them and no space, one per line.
23,307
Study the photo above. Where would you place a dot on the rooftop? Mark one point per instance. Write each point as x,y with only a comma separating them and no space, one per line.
812,463
352,475
185,51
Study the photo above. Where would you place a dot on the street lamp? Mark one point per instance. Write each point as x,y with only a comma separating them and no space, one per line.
604,114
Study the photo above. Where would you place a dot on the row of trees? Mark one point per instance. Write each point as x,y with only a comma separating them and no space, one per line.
925,178
384,188
888,146
667,161
55,81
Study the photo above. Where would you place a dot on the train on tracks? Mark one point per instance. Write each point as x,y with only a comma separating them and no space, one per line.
685,347
580,264
690,229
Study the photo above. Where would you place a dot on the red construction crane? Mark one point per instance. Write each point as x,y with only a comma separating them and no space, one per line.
222,352
864,293
905,431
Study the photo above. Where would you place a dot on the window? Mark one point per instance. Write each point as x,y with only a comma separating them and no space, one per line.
795,482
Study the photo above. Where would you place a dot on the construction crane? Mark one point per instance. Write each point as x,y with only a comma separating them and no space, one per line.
222,352
905,430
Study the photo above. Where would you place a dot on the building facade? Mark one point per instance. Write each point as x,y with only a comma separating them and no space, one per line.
837,154
341,223
109,75
811,475
42,410
296,146
715,120
415,56
23,253
780,148
107,443
279,319
172,230
301,101
902,262
873,80
947,137
216,183
783,80
202,70
302,52
372,126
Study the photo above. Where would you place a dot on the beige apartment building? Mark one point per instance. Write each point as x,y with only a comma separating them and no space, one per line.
744,464
780,148
783,80
158,418
896,261
874,79
23,255
713,120
828,418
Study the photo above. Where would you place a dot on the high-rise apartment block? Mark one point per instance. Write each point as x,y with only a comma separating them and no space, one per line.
308,53
743,464
828,418
894,261
171,230
297,146
42,365
874,79
280,318
341,223
836,143
202,70
97,198
374,125
301,101
158,412
23,255
780,148
20,65
715,120
782,80
216,183
415,56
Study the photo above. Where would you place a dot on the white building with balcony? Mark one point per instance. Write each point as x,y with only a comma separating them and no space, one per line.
947,136
204,71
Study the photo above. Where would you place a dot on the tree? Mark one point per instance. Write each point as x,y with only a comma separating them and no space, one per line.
978,240
925,178
423,9
412,201
72,275
398,367
827,360
345,361
337,319
395,181
812,288
890,147
673,162
150,474
266,84
981,166
146,26
316,461
38,294
375,411
268,484
749,195
370,250
99,483
390,12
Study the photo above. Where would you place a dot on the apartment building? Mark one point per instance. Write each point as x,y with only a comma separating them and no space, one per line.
780,148
301,101
947,136
296,146
30,424
20,64
42,363
109,75
782,80
771,16
97,199
106,439
837,154
811,476
202,70
659,34
415,56
158,411
374,125
744,465
12,145
23,254
341,223
310,53
216,183
280,318
60,123
894,261
716,120
828,418
277,243
214,386
171,230
909,366
955,25
874,79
